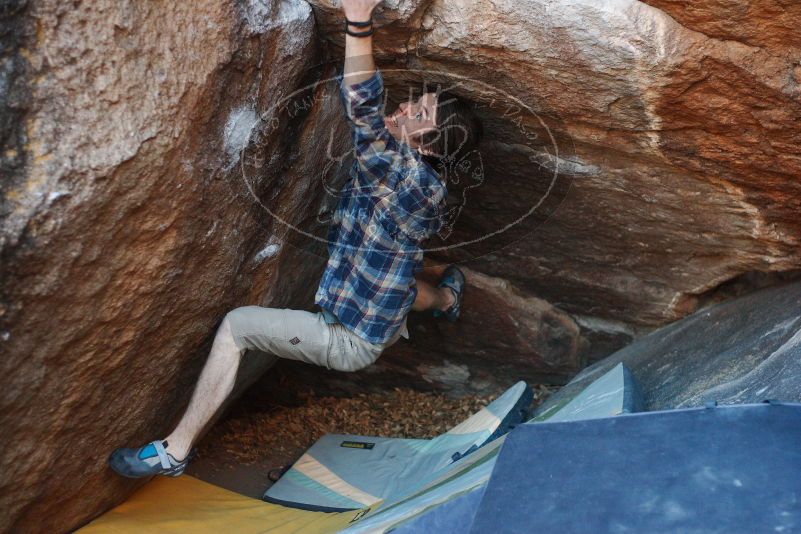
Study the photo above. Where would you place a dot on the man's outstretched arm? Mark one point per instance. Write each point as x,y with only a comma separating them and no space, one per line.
359,64
362,91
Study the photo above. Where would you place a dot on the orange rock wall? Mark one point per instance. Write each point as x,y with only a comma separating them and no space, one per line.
144,177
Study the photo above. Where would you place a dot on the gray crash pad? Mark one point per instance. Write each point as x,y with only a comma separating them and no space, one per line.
725,469
741,351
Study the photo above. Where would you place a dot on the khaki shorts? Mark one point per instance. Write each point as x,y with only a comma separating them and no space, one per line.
303,336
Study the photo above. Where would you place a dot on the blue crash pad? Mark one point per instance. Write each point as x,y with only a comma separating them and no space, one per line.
728,469
454,516
446,505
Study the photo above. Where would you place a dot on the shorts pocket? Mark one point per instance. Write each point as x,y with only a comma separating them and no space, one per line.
334,347
348,354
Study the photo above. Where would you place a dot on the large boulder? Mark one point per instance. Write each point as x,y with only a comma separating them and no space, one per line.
137,173
741,351
635,167
163,163
676,140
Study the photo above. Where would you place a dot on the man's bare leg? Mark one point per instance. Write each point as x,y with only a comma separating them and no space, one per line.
432,298
214,385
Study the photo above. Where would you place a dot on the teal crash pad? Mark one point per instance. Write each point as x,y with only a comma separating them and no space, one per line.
348,472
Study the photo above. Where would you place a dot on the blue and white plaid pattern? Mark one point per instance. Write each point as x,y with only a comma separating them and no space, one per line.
391,202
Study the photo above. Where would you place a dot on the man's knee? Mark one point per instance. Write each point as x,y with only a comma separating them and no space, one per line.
237,317
233,323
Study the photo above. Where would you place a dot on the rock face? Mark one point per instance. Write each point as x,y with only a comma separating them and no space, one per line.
742,351
681,147
133,219
644,165
162,164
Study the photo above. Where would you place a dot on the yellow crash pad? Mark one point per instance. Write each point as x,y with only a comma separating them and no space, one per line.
185,504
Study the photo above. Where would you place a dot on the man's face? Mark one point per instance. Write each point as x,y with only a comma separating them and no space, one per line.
413,118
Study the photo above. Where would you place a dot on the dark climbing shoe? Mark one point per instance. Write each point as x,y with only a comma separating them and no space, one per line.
453,279
147,460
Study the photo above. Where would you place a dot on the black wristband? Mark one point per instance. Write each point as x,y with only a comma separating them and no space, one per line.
358,34
359,24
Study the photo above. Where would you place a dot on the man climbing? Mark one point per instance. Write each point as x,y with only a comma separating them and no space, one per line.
392,202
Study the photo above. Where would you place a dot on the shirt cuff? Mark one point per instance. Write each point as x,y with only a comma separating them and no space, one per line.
366,88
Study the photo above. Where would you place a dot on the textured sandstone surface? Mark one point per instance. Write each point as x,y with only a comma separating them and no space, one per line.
131,228
640,160
685,146
670,177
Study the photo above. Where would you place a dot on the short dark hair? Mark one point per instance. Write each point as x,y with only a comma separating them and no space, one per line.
458,129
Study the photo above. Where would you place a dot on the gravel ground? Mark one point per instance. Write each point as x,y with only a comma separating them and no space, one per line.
262,432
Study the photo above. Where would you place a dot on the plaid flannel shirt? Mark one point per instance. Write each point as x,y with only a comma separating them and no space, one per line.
391,202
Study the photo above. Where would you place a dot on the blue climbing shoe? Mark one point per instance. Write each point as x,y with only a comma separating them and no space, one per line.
147,460
453,279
